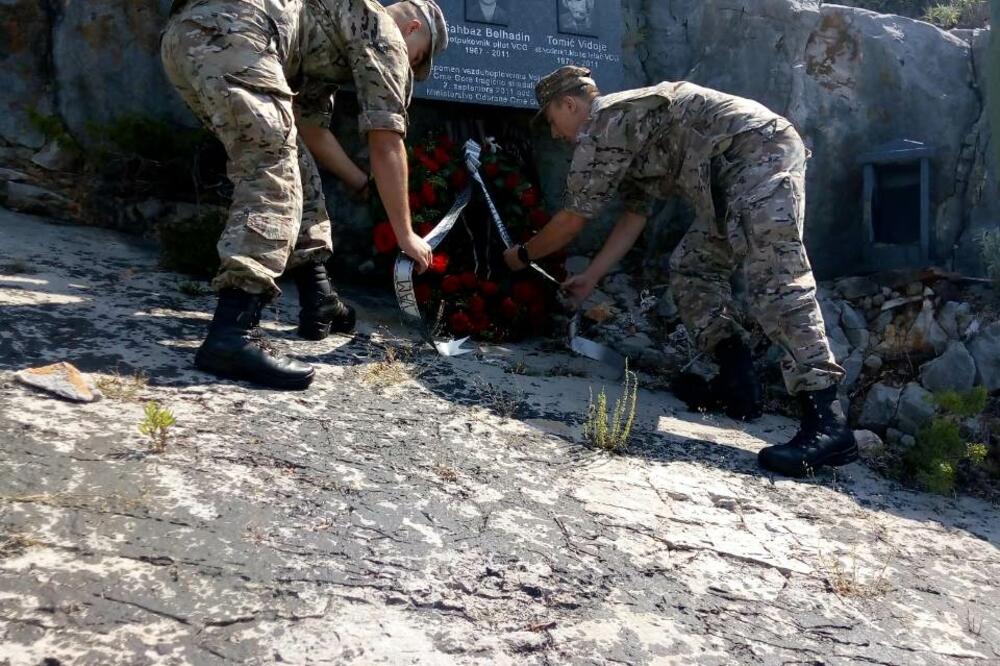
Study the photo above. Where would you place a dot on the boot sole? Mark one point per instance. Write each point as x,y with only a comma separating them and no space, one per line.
294,384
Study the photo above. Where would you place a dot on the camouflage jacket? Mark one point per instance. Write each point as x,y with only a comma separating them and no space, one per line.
323,45
658,142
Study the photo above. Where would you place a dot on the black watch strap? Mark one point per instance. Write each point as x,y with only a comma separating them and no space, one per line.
522,255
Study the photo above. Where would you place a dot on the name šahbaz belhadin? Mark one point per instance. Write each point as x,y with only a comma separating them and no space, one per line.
490,33
499,33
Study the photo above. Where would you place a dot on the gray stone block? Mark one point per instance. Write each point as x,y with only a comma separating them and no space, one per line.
985,349
955,370
880,407
916,407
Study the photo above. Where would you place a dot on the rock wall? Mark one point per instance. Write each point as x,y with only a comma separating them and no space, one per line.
848,78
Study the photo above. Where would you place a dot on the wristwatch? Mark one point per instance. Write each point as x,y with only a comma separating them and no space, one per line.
522,255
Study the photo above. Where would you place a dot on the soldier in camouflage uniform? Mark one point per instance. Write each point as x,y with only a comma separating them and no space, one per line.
742,168
261,74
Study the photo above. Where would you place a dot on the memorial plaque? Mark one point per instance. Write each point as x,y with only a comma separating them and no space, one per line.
498,49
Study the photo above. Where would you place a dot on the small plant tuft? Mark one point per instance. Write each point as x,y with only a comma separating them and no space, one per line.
612,434
126,388
850,582
157,425
503,402
394,368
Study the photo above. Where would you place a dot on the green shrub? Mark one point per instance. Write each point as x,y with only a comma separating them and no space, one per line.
958,14
965,405
933,462
944,16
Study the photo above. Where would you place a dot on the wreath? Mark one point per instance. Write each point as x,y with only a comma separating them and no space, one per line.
468,289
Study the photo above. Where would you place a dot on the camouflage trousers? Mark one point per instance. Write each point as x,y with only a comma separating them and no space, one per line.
758,186
226,68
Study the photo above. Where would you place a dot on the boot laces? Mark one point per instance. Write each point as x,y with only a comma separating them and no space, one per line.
259,339
331,305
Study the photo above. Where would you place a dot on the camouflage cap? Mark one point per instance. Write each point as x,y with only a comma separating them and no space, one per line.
433,17
564,80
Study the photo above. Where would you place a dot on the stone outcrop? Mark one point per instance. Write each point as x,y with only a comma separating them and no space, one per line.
414,521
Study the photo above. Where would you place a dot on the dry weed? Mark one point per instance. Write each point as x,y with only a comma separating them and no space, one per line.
126,388
395,367
850,581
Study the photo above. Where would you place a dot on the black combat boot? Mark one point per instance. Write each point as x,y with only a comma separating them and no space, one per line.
322,310
734,390
237,349
823,439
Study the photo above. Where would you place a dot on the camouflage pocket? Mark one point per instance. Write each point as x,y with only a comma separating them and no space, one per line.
271,227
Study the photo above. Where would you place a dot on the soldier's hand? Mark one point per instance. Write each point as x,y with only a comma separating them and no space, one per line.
512,260
416,248
578,287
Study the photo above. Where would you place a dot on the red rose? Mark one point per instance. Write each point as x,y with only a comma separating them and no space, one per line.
429,163
424,228
491,169
460,178
477,304
469,280
441,155
439,264
445,142
526,292
479,322
539,218
427,193
513,180
384,237
508,308
422,292
414,201
451,283
529,197
459,323
489,288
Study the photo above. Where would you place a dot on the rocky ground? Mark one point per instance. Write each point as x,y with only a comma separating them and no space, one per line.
423,510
